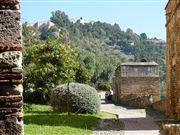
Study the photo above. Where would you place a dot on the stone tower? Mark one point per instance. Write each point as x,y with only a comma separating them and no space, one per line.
136,83
173,58
11,100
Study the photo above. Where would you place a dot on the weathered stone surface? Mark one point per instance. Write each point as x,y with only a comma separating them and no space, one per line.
10,47
16,98
10,127
140,87
11,59
10,29
9,110
159,105
9,6
11,76
139,69
9,2
135,101
6,113
11,104
13,127
7,90
2,128
11,100
18,115
173,58
11,71
11,82
172,129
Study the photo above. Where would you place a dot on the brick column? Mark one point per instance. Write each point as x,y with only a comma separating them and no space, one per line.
11,100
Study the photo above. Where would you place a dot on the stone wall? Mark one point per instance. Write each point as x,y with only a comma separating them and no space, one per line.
135,83
171,129
173,59
139,71
141,87
135,101
116,85
159,105
11,100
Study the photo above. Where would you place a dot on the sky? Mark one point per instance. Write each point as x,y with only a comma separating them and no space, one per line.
143,16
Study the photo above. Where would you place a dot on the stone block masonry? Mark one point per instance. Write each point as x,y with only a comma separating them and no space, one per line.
137,84
173,59
11,99
9,4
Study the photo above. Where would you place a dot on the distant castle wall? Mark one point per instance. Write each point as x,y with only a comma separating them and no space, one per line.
173,58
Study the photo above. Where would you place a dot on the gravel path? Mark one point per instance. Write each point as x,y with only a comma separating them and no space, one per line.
136,121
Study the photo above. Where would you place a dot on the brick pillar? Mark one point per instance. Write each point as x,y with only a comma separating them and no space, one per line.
11,100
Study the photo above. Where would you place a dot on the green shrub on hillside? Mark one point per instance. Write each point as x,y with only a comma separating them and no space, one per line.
82,98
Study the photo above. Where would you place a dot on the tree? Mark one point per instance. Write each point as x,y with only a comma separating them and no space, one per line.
143,36
30,35
60,18
47,32
101,46
52,64
129,30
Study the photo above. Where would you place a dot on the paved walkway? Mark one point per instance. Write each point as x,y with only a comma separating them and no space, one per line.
136,121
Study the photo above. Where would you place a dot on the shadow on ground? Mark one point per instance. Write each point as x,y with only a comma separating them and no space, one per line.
110,124
56,119
133,123
150,112
75,121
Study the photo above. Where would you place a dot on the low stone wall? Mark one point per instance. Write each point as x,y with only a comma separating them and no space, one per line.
172,129
140,102
159,105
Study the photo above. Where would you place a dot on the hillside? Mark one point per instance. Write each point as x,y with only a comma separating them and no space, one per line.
101,47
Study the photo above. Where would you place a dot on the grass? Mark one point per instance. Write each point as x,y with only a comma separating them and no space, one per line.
41,120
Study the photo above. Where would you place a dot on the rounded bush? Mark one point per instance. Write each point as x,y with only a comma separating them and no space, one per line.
82,98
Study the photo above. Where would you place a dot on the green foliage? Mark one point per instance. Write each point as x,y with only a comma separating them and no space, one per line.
47,65
82,75
60,18
103,86
30,35
83,98
86,67
100,48
35,108
47,32
143,36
